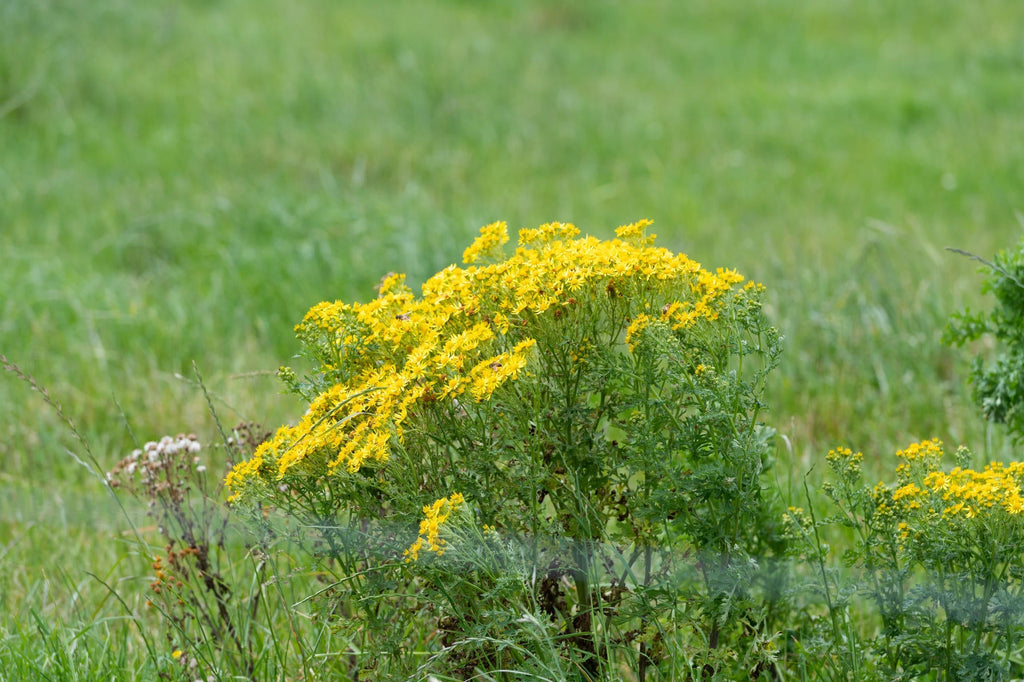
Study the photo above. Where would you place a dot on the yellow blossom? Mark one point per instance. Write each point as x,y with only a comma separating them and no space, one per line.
634,330
845,462
929,450
435,515
492,372
488,244
908,490
547,232
636,233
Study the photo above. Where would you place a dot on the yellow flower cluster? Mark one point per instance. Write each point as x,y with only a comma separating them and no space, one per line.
681,314
488,244
845,462
636,233
971,493
797,519
430,527
547,233
964,493
634,330
924,455
468,334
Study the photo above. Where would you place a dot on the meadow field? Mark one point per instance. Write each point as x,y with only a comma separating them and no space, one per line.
181,181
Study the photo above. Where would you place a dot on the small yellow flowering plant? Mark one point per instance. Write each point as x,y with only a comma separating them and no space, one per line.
593,404
942,554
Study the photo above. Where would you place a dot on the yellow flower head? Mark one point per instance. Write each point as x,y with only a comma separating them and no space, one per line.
929,451
548,232
491,373
636,233
488,245
845,462
634,330
435,515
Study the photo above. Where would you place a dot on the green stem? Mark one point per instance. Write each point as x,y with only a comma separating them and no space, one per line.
645,649
582,625
833,615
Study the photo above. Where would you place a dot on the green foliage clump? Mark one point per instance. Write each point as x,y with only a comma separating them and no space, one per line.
998,383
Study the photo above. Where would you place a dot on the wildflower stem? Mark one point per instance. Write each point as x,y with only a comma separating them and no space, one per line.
832,610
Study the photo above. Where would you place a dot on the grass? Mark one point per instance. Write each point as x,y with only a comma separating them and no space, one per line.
179,182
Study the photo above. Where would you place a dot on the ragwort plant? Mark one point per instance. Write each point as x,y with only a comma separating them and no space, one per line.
941,555
574,431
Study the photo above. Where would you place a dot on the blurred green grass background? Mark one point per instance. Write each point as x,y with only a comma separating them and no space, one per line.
181,181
